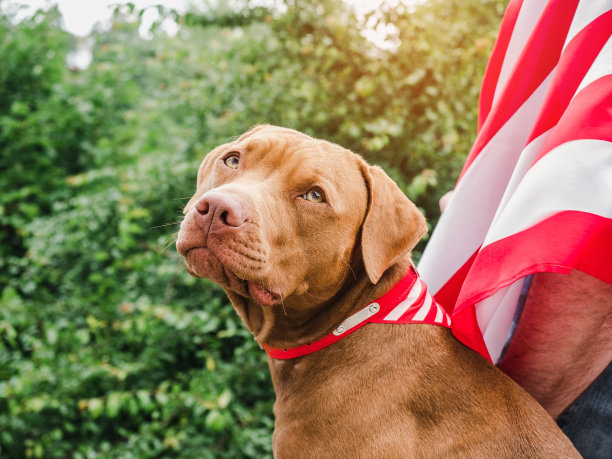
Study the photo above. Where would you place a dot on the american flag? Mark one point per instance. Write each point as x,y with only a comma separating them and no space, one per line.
535,194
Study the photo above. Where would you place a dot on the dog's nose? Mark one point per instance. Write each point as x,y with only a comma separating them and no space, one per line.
222,209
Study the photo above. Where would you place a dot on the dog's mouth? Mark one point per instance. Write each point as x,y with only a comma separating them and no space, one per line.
262,295
202,262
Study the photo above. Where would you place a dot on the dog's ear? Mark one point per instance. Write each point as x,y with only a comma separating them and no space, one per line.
392,227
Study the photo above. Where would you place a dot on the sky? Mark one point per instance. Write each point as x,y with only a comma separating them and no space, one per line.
81,15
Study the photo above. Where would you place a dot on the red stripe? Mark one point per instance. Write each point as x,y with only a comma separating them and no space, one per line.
398,292
448,294
577,58
567,240
537,60
588,116
465,328
491,77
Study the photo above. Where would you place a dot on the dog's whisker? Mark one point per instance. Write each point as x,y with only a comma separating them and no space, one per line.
351,270
171,239
314,296
282,302
166,224
275,275
168,243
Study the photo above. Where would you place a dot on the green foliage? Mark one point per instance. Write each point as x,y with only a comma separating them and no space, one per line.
107,347
34,158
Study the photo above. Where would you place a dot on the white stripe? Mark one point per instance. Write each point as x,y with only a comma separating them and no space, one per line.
574,176
495,315
528,17
439,314
422,312
401,308
466,221
602,66
587,12
526,160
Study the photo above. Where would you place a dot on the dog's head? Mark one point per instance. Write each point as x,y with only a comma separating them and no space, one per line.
279,216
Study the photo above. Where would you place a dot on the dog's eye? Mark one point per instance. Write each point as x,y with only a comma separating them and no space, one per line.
232,161
314,195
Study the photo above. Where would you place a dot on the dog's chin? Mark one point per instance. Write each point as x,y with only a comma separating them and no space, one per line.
202,262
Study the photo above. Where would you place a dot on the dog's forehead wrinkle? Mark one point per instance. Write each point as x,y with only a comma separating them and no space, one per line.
314,165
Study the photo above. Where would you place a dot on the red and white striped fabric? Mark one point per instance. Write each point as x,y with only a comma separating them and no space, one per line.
535,194
407,302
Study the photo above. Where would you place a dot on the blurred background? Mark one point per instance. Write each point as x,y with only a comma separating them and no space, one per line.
107,347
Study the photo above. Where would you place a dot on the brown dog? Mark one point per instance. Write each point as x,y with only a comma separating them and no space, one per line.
302,234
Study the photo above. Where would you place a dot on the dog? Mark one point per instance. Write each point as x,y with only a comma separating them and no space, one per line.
307,240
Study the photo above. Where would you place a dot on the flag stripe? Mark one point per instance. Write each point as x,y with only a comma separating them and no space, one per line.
448,294
466,329
574,64
497,58
524,163
589,116
601,67
588,191
526,23
565,241
587,12
495,315
590,110
491,171
544,47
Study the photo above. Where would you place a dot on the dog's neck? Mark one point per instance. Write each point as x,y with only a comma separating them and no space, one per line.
284,326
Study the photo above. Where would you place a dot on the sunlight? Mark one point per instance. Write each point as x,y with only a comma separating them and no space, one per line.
80,17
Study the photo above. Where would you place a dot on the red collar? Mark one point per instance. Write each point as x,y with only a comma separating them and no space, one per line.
406,303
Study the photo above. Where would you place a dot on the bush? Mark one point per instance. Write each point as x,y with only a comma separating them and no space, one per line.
107,347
